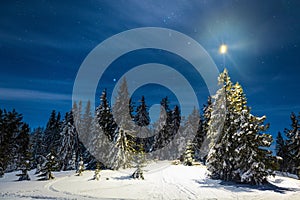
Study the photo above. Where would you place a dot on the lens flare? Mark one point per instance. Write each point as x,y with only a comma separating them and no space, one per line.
223,49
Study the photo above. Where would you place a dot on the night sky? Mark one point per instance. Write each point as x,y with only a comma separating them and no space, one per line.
43,43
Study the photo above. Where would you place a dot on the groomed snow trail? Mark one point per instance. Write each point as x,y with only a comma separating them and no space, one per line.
162,181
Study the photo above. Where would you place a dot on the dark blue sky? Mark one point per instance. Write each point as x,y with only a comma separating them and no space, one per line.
43,43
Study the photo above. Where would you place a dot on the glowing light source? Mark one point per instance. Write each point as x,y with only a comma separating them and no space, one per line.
223,49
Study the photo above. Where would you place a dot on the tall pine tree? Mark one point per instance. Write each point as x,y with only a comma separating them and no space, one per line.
122,109
239,153
68,150
51,140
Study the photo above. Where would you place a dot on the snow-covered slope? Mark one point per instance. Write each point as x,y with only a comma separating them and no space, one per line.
162,181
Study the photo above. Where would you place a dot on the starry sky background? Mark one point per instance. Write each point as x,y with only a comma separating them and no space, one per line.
43,43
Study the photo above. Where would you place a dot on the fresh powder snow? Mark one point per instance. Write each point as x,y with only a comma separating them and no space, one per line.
162,181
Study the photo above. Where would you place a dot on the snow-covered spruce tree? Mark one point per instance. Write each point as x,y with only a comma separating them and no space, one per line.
10,126
160,124
122,109
254,162
77,115
282,152
49,166
170,131
105,117
86,122
125,150
207,109
142,120
203,130
51,140
164,113
24,153
192,130
293,145
69,144
89,136
142,115
167,131
239,153
36,141
188,156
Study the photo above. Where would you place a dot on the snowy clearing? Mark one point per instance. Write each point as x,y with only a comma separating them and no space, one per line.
162,181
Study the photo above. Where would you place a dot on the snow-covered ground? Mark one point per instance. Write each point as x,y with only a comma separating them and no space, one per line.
162,181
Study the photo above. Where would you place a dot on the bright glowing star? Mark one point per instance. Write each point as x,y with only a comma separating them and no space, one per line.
114,80
223,49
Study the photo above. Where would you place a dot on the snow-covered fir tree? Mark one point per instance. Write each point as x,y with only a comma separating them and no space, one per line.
125,150
24,153
203,130
105,117
89,137
192,131
254,162
239,153
167,131
282,152
189,153
36,141
86,122
293,145
10,127
122,108
207,109
142,121
51,140
68,150
142,115
77,115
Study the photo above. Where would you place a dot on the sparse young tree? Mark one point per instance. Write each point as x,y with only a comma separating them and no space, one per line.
97,172
49,167
188,156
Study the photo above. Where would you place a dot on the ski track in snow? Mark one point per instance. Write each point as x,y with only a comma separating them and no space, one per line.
161,182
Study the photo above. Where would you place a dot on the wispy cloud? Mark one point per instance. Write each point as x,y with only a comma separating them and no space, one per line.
24,94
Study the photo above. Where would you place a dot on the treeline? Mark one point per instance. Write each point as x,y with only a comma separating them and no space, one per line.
81,134
225,136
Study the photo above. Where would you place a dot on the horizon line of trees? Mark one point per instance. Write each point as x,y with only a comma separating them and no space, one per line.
237,151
